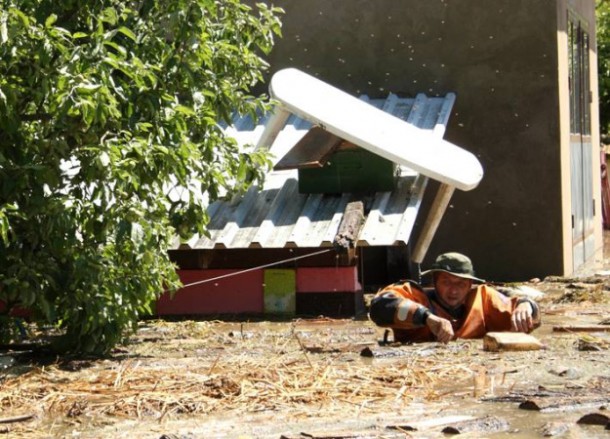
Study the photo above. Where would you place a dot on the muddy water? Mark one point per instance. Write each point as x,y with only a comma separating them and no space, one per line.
480,375
486,374
559,366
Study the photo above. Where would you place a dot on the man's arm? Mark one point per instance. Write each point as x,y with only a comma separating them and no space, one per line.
525,316
440,327
519,314
390,308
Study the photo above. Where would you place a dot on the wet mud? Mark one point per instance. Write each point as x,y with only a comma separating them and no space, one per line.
323,378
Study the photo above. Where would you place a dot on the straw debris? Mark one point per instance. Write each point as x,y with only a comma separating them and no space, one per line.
205,368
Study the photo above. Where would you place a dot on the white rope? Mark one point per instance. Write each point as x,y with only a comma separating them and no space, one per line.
255,268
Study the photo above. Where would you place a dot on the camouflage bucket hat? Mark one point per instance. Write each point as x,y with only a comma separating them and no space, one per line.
456,264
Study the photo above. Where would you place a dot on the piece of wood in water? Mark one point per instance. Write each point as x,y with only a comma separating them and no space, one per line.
594,419
487,424
563,403
555,429
426,424
510,341
581,328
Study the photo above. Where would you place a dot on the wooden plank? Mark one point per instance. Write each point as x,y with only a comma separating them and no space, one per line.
312,151
582,328
510,341
371,128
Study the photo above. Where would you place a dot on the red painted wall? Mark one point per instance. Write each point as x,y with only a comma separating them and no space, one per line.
327,280
240,293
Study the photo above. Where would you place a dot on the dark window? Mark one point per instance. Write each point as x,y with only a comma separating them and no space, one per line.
578,58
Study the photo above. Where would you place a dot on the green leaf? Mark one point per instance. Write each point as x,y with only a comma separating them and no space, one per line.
50,21
116,106
127,32
25,21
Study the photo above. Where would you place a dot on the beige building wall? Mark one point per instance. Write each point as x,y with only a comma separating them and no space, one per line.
584,11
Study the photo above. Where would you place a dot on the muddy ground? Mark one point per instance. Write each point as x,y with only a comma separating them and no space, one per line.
321,378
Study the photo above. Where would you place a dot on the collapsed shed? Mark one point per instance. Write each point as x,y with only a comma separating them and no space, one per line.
335,216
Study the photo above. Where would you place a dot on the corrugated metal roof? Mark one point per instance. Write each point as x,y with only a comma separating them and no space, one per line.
278,216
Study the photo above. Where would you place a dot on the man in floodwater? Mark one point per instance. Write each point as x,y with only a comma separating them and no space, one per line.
459,306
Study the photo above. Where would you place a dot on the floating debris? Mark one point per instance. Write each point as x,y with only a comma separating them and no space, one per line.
594,419
345,435
428,424
510,341
595,394
591,343
555,428
487,424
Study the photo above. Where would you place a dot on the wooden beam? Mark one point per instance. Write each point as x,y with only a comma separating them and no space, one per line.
439,205
349,229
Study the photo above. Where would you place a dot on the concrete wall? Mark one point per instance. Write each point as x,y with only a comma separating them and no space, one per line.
501,58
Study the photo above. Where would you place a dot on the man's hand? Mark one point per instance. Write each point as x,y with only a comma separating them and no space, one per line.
440,327
521,320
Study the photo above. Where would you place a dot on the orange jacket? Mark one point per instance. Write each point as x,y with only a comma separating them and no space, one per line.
485,310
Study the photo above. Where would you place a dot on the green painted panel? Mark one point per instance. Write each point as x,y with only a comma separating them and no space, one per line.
280,291
354,170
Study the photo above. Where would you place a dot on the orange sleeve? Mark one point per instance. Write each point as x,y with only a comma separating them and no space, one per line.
498,309
399,306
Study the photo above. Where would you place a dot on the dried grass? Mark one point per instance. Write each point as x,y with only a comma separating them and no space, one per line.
168,373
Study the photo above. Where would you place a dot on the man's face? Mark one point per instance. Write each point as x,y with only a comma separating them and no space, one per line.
452,289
